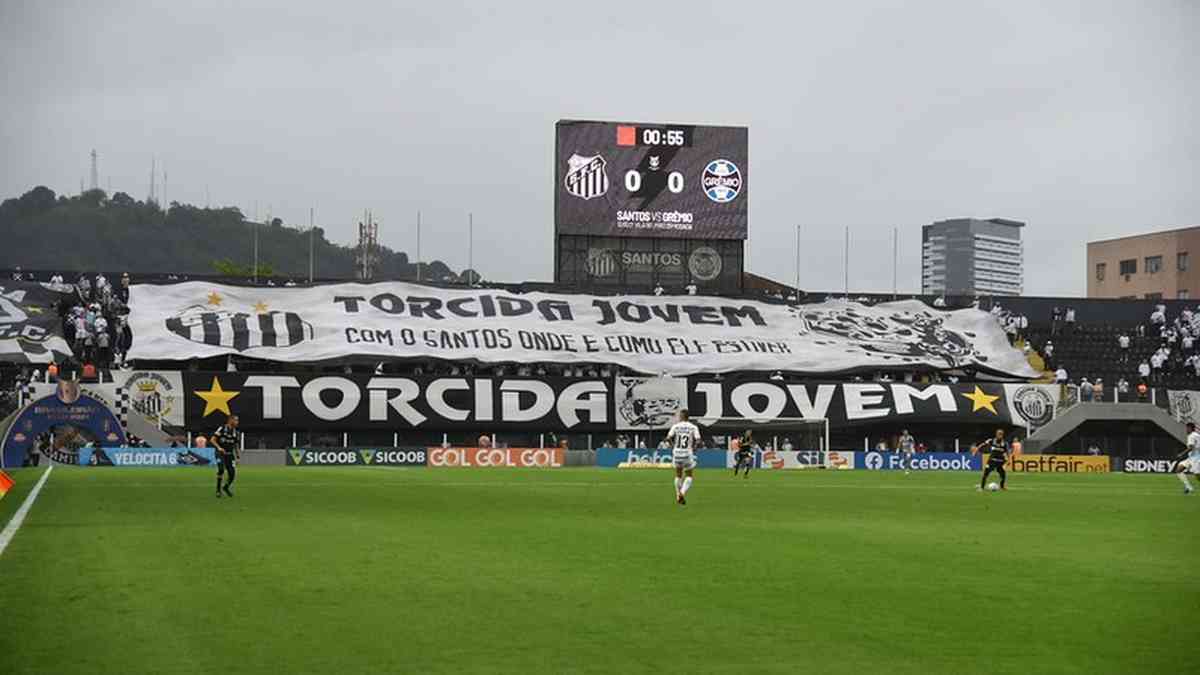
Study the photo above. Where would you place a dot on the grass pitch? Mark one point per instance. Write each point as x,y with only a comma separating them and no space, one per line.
356,570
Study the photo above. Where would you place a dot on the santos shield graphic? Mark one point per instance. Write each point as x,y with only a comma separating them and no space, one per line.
240,330
587,177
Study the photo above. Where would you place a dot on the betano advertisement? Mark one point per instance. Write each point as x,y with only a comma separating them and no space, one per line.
615,457
725,459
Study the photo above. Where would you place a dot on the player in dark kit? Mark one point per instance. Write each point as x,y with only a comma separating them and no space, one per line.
997,452
744,457
225,440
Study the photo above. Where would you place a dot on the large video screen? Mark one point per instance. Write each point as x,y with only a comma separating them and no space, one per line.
631,179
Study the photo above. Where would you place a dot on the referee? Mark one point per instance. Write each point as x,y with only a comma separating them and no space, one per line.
225,440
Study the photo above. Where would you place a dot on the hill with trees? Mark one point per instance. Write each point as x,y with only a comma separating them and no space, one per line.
92,231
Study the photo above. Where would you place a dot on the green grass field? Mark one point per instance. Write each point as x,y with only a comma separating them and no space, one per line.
320,570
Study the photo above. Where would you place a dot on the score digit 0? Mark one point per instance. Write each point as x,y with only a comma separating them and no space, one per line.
633,181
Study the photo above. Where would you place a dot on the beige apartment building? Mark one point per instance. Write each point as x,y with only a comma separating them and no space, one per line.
1158,265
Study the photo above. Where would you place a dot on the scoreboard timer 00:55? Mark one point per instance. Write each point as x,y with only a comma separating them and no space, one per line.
651,180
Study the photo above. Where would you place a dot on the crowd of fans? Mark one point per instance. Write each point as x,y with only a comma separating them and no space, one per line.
1163,351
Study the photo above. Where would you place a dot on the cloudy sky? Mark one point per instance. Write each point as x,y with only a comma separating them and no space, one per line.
1078,117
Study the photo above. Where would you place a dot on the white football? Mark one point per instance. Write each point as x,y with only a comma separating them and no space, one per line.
993,486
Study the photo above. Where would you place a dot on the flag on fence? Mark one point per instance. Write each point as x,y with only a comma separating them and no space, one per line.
6,483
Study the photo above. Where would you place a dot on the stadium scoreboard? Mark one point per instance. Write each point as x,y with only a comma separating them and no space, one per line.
627,179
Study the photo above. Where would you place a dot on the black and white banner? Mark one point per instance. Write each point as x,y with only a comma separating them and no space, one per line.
30,327
1184,405
855,403
674,335
364,402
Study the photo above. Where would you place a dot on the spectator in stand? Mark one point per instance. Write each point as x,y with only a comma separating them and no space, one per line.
1069,319
1122,386
1144,370
123,291
1055,319
691,289
1048,352
103,346
1142,391
1188,342
1060,375
1123,342
1086,390
1158,318
939,301
658,289
1099,390
79,330
83,287
1157,359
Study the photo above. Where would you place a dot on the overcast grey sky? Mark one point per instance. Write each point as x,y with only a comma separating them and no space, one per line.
1077,117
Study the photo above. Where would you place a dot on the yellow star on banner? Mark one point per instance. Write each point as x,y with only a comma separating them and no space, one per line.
260,307
216,399
981,401
213,298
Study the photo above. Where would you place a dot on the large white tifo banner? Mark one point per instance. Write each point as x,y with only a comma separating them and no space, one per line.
676,335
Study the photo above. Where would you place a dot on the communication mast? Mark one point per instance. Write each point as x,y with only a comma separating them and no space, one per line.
152,199
95,172
367,253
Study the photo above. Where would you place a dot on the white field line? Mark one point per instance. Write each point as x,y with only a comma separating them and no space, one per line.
10,530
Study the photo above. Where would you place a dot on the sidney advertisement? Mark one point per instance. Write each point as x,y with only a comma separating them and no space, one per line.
1145,465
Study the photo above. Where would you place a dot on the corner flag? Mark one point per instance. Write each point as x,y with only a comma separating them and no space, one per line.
6,483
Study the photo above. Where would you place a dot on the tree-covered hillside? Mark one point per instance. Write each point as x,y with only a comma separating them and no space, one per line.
92,231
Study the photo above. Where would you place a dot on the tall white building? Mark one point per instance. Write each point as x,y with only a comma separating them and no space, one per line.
970,256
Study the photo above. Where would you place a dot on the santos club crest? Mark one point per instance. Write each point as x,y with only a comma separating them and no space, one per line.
240,330
587,177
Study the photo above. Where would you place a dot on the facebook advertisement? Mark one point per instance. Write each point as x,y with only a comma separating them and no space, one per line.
921,461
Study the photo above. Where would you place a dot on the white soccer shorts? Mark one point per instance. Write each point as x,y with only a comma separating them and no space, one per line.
688,462
1191,465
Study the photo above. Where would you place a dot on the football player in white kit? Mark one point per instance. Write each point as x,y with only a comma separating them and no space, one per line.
1190,463
684,437
908,445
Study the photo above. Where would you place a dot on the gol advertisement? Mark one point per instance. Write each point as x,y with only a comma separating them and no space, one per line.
1058,464
497,457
